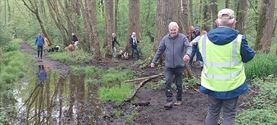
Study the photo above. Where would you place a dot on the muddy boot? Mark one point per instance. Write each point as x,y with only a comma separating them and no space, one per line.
168,105
178,103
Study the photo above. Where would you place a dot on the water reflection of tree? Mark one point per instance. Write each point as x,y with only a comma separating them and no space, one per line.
63,101
39,105
83,104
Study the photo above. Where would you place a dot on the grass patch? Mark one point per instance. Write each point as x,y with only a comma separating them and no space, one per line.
75,57
115,76
257,117
115,93
262,65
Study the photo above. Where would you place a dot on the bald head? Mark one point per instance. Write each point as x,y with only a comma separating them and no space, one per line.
173,29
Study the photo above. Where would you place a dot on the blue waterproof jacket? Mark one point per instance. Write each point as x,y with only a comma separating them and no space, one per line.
222,36
39,40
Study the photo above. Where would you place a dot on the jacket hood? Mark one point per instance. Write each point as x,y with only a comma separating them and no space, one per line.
222,35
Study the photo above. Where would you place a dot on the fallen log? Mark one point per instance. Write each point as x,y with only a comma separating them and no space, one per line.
141,84
142,78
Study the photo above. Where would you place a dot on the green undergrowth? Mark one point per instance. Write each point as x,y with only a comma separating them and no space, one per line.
13,67
75,57
264,108
13,64
261,66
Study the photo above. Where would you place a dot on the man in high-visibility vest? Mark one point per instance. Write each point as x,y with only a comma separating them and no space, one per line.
223,79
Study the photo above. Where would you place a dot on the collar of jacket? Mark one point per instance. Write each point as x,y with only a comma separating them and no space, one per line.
170,37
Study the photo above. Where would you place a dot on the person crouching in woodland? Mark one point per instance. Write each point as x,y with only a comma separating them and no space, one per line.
74,40
223,79
174,45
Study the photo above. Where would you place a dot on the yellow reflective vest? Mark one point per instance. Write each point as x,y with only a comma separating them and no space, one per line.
223,67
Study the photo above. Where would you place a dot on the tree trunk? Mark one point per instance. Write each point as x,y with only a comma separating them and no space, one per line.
115,15
166,12
183,17
33,7
57,17
95,44
227,3
108,5
89,16
241,15
190,12
265,26
9,11
133,20
147,28
206,15
213,6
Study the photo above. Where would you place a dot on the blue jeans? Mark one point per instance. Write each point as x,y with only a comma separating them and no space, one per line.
169,72
195,51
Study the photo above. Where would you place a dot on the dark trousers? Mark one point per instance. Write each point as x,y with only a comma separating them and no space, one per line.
215,106
169,73
40,50
195,51
135,51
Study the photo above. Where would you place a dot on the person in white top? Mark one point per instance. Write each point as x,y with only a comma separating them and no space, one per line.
195,42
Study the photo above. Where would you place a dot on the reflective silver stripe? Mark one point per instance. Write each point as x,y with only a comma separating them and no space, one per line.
204,57
222,64
234,50
222,77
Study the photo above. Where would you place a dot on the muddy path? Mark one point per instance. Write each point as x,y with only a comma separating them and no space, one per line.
191,112
61,68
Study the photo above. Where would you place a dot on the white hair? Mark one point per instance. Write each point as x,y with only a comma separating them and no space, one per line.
226,17
173,24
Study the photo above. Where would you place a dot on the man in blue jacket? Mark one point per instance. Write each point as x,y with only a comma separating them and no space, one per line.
40,43
174,45
223,79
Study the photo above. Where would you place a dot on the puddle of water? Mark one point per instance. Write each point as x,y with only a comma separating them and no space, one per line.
49,99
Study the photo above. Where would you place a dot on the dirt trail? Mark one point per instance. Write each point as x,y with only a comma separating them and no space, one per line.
191,112
61,68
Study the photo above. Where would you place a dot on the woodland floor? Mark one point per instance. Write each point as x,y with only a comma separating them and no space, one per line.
191,112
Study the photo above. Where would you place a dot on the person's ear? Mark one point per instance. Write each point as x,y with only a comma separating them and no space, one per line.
217,22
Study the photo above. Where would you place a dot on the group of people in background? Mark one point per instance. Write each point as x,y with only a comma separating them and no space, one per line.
133,43
222,51
43,44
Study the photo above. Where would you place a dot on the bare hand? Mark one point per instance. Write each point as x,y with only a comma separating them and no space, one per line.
186,59
152,65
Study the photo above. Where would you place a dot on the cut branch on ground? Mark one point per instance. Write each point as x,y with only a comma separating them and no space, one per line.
141,84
